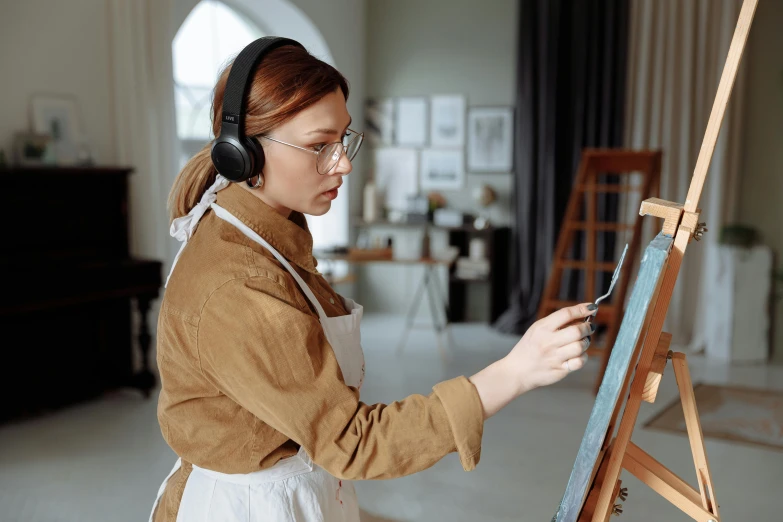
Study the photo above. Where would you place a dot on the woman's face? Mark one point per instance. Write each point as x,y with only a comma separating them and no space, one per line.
291,180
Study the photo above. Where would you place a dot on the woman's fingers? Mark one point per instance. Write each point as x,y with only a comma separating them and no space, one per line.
572,350
557,320
574,333
577,363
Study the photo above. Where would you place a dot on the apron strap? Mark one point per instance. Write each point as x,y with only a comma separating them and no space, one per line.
183,227
249,232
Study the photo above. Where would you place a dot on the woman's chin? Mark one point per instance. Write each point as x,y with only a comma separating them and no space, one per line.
319,208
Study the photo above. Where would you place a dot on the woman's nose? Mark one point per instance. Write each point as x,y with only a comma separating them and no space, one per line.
343,167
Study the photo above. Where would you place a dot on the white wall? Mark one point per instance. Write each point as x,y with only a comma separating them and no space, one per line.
761,192
417,48
56,47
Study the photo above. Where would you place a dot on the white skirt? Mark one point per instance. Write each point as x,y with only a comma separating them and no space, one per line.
293,490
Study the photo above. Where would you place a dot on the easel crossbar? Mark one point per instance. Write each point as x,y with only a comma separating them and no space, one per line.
665,483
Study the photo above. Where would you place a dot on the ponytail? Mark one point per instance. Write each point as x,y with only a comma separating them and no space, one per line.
194,179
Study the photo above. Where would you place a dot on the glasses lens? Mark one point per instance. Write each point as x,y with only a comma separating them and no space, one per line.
328,157
353,146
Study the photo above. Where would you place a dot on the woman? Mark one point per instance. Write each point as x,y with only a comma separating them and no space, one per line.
260,359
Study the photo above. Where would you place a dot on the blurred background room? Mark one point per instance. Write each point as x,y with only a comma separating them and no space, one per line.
472,208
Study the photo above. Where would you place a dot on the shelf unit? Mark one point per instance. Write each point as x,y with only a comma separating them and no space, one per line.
498,251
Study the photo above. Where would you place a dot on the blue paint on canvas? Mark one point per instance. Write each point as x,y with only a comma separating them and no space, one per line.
610,392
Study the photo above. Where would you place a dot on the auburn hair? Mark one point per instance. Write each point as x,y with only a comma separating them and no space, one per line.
288,81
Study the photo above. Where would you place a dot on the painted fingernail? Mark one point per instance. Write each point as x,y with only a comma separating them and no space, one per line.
593,327
592,306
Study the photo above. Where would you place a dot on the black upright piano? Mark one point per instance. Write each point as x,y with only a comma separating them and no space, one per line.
69,285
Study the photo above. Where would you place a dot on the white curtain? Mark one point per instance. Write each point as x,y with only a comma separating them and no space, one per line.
140,35
677,49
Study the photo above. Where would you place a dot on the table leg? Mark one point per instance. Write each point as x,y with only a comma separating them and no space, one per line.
412,312
432,298
443,300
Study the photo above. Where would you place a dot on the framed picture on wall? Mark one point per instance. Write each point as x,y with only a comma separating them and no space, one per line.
442,169
410,122
396,175
490,139
57,116
447,121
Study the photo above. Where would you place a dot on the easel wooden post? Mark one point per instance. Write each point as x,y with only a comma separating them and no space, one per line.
652,350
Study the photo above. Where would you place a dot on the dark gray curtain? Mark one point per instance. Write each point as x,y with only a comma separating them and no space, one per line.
570,95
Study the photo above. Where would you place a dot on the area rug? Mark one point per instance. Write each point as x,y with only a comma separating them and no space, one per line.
747,415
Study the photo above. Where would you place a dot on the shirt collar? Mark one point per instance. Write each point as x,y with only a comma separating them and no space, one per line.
291,237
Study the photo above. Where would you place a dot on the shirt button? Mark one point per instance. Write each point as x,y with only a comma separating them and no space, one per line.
331,300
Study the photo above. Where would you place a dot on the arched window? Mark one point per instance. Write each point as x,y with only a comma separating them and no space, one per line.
211,36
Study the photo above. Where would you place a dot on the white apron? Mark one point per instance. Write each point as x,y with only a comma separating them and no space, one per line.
294,489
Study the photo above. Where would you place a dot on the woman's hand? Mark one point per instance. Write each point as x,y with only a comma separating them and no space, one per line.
551,348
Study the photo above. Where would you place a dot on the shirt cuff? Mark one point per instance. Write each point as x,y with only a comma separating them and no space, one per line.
463,408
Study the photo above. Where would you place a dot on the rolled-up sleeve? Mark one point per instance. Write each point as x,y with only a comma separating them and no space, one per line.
269,355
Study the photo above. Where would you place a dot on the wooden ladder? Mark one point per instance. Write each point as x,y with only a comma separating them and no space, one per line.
581,216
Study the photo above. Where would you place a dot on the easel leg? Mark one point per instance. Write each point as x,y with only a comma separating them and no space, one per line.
699,505
693,425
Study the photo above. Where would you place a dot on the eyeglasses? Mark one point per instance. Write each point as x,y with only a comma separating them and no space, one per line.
329,155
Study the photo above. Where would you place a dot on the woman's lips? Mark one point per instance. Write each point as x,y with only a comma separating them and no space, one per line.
331,194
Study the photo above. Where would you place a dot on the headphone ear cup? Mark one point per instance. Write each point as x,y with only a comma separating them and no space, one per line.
256,151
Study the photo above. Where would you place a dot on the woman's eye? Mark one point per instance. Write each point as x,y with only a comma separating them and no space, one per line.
319,146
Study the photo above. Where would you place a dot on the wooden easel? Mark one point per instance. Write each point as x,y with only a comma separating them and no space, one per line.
587,185
700,505
652,350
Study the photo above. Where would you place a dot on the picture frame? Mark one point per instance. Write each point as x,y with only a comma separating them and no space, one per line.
410,122
447,120
442,169
57,116
490,133
396,176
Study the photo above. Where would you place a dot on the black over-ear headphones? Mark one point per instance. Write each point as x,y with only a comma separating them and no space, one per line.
235,156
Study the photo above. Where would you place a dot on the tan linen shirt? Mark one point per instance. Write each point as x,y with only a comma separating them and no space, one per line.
248,375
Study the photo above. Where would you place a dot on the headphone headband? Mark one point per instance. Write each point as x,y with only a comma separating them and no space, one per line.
233,155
